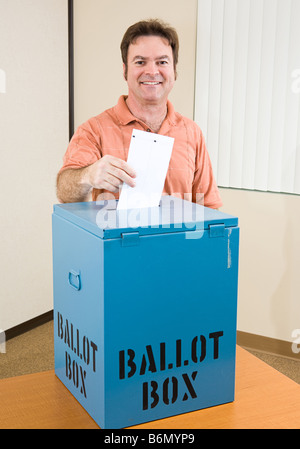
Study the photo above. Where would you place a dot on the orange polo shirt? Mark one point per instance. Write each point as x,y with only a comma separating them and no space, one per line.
190,174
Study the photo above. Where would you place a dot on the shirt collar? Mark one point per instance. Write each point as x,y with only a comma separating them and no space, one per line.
122,111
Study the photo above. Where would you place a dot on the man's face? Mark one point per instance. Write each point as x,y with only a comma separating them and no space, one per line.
150,74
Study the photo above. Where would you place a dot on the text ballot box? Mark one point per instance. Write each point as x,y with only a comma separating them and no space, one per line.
145,308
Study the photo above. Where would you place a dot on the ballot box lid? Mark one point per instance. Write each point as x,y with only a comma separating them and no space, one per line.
172,215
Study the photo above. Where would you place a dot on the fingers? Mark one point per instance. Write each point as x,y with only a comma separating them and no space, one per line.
122,166
110,172
120,174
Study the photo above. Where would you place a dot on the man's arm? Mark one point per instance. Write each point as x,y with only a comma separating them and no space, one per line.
108,173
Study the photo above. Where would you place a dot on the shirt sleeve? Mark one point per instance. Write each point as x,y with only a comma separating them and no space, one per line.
84,148
205,190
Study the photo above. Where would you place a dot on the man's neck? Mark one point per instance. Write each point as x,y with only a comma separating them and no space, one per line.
152,115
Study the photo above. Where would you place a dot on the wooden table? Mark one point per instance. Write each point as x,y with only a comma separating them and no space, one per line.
265,398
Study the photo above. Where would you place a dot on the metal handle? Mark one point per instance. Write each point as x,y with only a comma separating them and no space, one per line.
74,280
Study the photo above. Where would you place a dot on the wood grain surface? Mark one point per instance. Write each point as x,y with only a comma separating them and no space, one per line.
264,398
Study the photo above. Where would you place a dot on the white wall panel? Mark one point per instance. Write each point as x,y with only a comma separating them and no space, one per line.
239,97
227,92
279,112
252,74
247,56
215,68
202,89
265,94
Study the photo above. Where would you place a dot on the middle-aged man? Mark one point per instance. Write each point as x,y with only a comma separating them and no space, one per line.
95,161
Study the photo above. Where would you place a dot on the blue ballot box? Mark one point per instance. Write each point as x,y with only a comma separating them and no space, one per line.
145,308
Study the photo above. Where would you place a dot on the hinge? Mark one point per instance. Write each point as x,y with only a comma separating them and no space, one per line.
130,238
216,230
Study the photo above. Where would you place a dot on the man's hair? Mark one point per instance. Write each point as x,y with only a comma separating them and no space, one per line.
151,27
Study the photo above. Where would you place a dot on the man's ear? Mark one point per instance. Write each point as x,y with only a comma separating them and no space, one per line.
124,72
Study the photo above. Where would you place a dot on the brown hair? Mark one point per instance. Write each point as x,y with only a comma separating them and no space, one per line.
151,27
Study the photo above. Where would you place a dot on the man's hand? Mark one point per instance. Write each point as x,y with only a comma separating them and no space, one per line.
108,173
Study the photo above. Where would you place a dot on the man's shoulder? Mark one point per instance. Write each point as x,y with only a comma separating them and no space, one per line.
188,123
180,119
104,118
107,114
118,114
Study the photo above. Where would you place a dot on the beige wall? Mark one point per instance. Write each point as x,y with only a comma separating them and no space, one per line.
33,137
269,281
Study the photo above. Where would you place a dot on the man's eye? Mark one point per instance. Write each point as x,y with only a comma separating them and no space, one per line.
139,62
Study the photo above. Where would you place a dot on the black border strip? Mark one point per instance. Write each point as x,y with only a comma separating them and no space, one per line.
71,66
29,325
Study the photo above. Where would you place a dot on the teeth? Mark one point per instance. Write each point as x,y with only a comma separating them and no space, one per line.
151,83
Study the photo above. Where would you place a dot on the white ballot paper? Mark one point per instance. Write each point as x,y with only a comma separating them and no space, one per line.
149,155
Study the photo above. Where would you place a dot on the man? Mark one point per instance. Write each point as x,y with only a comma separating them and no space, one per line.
95,161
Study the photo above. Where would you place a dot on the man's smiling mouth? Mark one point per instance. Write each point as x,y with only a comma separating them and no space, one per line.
151,83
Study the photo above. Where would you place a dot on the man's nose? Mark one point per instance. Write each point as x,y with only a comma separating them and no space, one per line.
152,68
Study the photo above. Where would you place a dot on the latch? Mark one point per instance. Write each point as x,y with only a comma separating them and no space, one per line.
130,238
216,230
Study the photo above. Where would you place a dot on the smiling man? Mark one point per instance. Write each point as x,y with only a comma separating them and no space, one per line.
95,161
150,76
